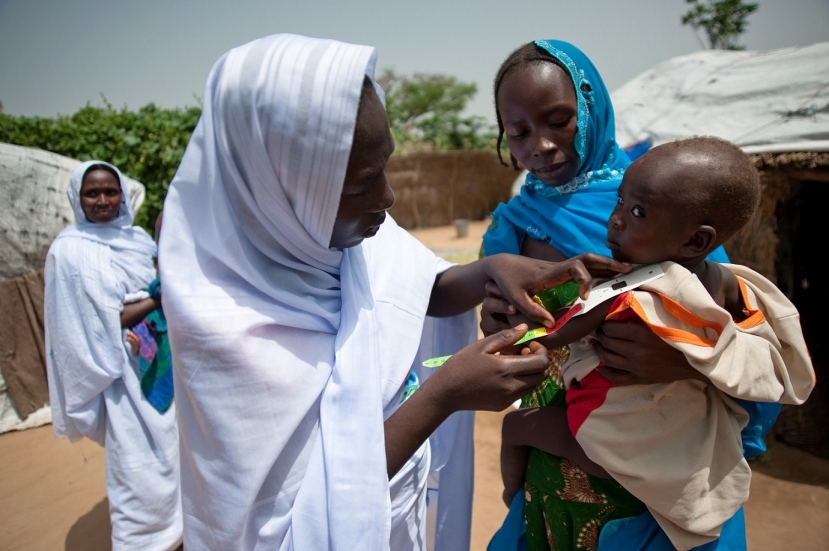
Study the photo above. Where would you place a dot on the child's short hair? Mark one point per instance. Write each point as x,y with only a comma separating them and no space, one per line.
727,199
522,57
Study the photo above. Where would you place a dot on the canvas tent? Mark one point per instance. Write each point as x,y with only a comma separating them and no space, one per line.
764,102
33,210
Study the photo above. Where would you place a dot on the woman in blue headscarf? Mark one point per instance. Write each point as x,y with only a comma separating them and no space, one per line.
556,114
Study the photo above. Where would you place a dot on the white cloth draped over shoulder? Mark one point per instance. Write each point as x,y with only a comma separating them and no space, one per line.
94,385
290,354
677,446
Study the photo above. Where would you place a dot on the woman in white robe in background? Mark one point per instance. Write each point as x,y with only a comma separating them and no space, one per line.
296,308
94,385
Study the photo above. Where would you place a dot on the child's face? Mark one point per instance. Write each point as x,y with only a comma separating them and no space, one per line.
644,227
537,104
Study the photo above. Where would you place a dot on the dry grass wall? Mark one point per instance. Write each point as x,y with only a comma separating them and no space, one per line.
432,189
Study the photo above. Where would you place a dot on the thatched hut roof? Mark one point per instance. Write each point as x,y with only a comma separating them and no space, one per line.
798,159
800,165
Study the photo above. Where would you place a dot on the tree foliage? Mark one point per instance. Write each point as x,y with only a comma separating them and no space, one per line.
722,20
146,145
425,112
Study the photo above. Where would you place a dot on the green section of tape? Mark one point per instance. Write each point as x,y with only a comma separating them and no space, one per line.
532,334
436,362
559,297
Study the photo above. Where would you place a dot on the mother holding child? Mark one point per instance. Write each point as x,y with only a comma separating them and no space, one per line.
646,466
297,311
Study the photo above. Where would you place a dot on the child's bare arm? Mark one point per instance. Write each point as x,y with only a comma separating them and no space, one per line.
513,466
134,312
546,429
577,328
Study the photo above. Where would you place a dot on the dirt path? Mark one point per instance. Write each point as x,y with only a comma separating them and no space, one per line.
52,493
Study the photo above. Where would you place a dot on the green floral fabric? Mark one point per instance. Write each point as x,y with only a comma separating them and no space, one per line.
565,507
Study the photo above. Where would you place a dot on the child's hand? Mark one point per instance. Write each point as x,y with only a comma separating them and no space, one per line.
133,341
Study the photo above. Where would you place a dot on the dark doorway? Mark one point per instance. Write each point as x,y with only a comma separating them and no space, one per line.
800,276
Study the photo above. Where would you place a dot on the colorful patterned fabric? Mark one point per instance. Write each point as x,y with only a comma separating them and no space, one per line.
565,507
154,358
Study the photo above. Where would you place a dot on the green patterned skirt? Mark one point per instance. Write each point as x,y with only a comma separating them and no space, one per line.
565,507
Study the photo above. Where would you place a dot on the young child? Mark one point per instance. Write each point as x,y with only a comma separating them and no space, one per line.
145,332
675,446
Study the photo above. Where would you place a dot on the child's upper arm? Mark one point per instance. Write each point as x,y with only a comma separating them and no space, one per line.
578,327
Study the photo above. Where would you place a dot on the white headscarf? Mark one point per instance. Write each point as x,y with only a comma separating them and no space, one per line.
286,351
118,234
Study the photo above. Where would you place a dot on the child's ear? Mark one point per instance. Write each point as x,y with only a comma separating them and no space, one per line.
700,242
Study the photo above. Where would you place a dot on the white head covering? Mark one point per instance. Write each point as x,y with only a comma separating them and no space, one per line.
281,376
279,138
118,234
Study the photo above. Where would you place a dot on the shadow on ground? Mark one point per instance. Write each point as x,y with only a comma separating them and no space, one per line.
92,531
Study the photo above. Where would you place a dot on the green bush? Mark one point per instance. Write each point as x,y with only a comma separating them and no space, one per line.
146,145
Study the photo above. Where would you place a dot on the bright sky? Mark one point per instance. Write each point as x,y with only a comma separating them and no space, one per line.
55,56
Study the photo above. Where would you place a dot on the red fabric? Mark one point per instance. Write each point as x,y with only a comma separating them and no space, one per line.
592,391
582,401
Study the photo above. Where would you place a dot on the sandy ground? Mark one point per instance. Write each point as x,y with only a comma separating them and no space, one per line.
53,496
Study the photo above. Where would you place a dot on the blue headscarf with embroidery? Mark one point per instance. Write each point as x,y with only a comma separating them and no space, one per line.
572,217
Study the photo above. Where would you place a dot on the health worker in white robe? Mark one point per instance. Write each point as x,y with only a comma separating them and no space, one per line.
94,381
297,308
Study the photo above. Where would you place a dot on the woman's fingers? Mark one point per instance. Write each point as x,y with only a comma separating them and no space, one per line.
639,356
578,272
516,279
581,269
608,350
516,366
503,339
494,305
492,290
532,364
603,266
622,331
494,310
532,309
